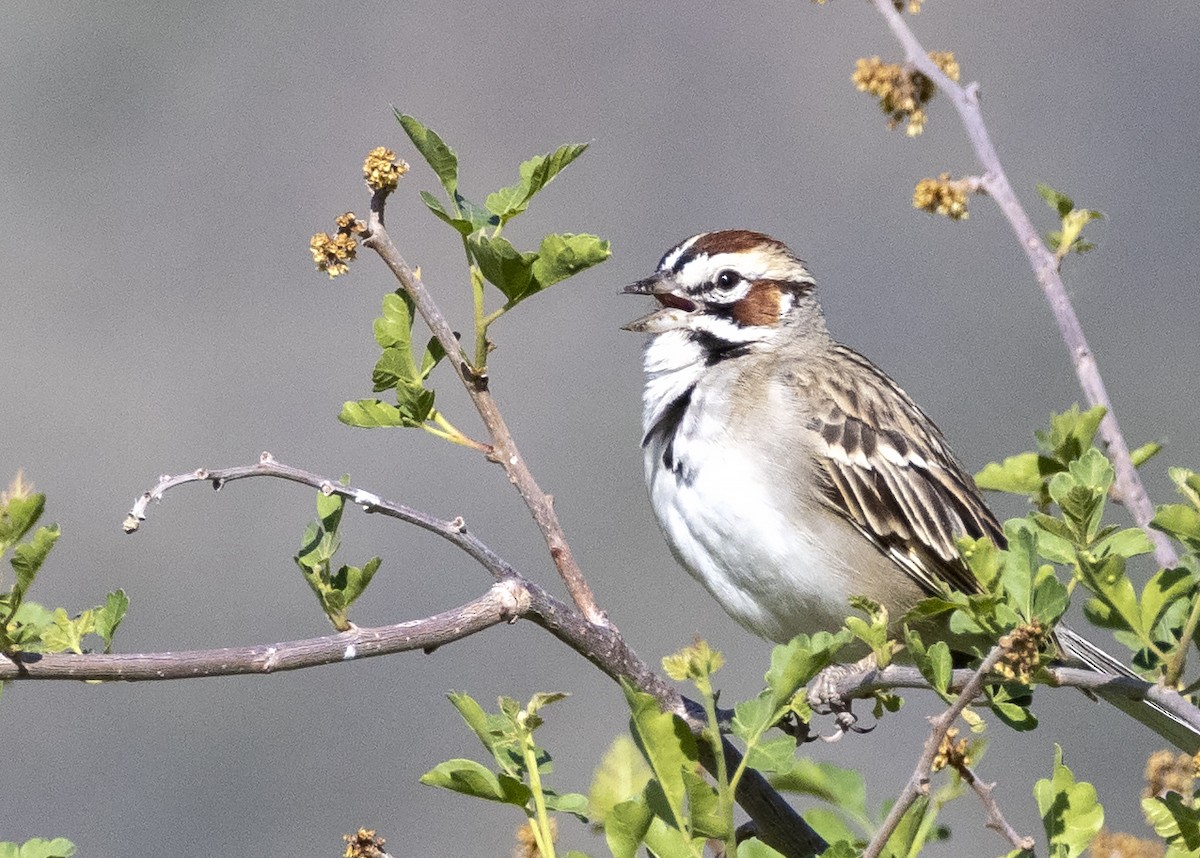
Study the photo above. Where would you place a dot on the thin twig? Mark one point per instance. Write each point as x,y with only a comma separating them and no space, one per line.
996,820
504,448
1128,488
918,783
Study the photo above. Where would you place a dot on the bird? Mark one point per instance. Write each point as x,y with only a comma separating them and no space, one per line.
788,472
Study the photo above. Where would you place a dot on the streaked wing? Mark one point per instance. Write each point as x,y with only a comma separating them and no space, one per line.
890,472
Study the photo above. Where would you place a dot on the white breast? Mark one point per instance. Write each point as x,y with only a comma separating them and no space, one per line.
724,505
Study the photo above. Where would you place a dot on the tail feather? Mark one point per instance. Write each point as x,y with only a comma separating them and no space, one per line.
1172,726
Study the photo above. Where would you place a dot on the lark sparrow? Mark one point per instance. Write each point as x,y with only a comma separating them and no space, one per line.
787,471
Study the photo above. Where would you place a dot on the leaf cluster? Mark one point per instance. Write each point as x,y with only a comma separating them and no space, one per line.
491,259
1068,481
335,591
1069,238
27,626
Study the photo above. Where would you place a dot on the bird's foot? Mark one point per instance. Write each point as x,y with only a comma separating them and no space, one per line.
825,699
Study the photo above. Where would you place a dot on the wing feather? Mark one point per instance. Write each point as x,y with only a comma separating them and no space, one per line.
888,469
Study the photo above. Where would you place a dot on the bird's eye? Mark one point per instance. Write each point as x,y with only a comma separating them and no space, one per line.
728,278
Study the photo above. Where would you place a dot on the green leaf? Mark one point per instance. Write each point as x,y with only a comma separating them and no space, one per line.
708,819
1020,566
371,414
394,328
1060,202
37,847
982,557
494,731
414,404
434,354
621,776
772,756
1145,453
535,173
626,827
1019,475
351,581
461,224
564,255
66,634
471,778
1162,590
1071,433
1174,821
109,617
476,215
934,662
503,265
1180,522
1070,813
1129,542
1050,598
28,557
437,154
18,516
666,743
573,803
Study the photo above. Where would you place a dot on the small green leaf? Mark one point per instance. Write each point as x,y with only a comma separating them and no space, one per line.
573,803
18,516
1180,522
1175,821
564,255
476,215
28,557
370,414
503,265
706,816
436,153
394,328
66,634
1018,475
983,558
1070,813
772,756
471,778
626,827
37,847
1060,202
1162,590
461,224
414,404
755,848
109,617
1145,453
535,173
351,581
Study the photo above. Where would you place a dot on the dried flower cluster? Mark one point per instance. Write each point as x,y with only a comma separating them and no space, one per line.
382,170
1118,844
952,753
1022,652
364,844
902,92
1167,771
331,253
527,844
943,195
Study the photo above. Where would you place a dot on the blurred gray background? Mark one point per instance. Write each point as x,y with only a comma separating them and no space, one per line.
161,170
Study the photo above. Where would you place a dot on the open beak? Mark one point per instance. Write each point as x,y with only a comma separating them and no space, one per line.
674,311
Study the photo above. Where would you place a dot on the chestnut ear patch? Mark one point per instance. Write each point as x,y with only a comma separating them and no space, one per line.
760,307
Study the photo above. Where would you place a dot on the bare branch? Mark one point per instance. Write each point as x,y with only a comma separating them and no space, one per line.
504,602
918,783
504,448
1128,488
996,820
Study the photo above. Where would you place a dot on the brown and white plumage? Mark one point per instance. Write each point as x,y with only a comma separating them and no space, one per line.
787,471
